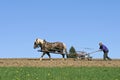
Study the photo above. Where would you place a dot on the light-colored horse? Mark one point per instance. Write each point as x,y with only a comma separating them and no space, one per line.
47,47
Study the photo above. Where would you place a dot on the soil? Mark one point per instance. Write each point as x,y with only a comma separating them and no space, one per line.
35,62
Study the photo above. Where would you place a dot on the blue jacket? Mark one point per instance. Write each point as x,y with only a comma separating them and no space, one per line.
104,48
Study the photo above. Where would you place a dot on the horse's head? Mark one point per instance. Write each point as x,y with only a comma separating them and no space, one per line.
38,43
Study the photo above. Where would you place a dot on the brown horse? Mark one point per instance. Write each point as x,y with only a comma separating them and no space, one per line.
48,47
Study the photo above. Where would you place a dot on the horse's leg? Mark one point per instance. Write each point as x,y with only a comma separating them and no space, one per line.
49,55
63,56
42,56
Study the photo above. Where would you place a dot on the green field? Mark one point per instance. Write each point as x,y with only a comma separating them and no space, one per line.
60,73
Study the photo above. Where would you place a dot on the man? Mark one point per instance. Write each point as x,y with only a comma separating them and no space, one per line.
105,51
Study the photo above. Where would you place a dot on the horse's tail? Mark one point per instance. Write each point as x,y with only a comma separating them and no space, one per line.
65,50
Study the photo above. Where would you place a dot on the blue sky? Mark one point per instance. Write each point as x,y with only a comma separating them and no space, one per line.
78,23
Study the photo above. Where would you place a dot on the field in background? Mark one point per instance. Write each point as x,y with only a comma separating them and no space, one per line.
58,69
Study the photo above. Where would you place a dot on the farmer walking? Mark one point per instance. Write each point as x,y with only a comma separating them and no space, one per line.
105,51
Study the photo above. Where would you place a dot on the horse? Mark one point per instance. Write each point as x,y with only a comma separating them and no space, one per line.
50,47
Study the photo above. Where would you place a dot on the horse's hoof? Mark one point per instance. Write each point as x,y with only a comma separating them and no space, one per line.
63,59
51,60
40,59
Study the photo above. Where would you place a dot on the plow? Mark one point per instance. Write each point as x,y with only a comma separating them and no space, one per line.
84,55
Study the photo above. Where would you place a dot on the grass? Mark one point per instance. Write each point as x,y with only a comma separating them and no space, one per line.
58,73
